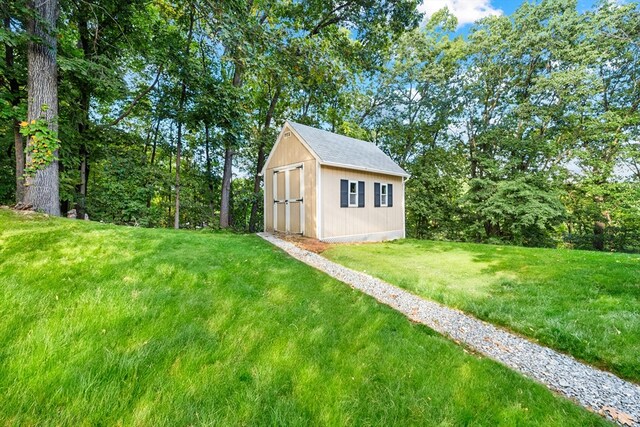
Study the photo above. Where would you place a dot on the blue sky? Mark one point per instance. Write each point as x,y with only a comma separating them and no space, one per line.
510,6
468,11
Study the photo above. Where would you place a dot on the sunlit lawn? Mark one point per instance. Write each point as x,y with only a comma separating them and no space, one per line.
105,325
584,303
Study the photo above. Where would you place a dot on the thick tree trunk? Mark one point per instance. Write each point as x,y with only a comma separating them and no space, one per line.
42,190
257,178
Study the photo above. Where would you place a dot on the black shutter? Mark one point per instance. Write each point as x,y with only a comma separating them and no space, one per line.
376,194
361,194
389,195
344,193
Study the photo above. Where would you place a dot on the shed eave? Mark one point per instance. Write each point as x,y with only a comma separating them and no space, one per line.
364,169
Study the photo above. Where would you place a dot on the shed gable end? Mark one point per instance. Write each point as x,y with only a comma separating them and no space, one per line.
288,149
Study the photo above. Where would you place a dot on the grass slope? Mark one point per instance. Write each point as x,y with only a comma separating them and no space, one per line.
111,325
583,303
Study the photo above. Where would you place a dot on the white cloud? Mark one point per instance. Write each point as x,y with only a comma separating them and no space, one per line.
467,11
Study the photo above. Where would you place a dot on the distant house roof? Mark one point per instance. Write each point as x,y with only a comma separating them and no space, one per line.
342,151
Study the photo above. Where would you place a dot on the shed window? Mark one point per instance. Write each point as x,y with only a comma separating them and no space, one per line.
383,195
353,194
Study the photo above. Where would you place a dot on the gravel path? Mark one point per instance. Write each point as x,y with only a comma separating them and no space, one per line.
594,389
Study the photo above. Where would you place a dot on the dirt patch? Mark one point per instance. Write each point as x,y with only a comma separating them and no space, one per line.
20,209
23,210
307,243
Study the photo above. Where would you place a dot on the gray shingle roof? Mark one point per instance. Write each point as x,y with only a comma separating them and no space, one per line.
340,150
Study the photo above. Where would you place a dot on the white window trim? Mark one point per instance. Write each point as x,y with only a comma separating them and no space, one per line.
353,205
384,203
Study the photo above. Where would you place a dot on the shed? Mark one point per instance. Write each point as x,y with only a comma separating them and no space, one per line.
332,187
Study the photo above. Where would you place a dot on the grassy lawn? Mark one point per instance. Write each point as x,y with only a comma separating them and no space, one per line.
583,303
112,325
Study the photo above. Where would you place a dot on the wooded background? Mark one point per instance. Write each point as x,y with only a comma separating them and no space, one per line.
523,131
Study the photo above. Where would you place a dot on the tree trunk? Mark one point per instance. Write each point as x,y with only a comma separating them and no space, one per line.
19,151
170,169
14,90
176,219
83,123
149,184
84,180
257,178
42,190
225,203
183,97
207,154
598,235
155,143
473,157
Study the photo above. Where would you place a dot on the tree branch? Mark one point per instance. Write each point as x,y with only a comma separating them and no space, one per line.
141,95
329,19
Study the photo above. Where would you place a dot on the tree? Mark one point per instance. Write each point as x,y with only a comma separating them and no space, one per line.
42,188
13,82
181,104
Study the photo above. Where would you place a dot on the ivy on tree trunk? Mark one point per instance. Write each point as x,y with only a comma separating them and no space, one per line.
42,190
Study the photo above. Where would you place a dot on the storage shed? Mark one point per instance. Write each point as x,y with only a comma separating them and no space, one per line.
332,187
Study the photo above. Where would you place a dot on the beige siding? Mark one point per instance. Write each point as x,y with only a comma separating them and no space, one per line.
290,151
369,223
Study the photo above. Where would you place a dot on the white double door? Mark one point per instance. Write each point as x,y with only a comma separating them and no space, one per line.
288,197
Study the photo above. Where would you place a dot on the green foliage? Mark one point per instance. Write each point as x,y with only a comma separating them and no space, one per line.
522,210
243,198
122,191
615,205
495,128
42,146
432,197
7,181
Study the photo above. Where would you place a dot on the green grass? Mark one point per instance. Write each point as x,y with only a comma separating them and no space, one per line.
583,303
111,325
